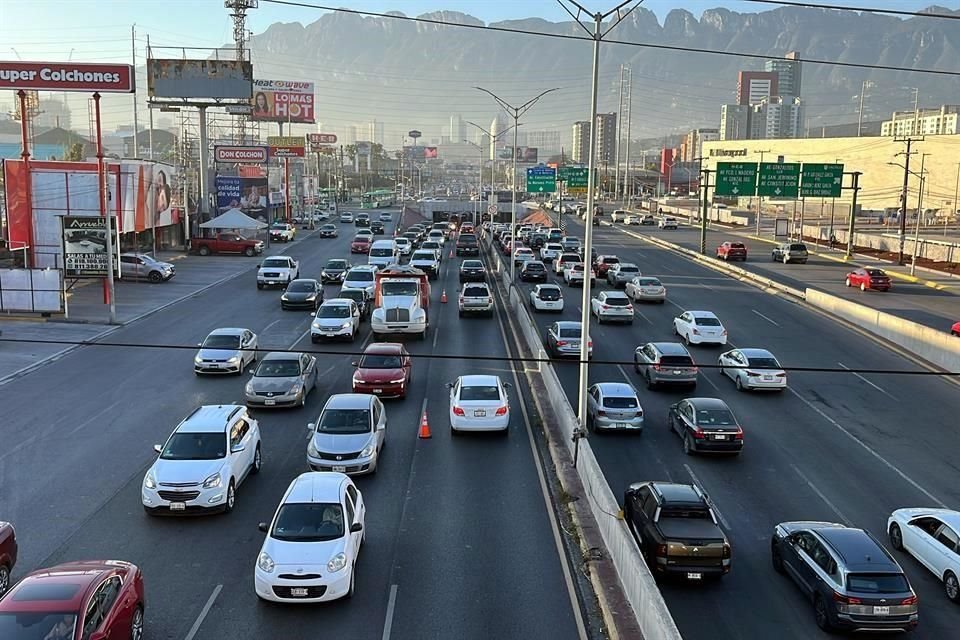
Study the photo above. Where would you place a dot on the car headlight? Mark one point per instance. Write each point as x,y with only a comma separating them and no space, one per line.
248,389
311,297
397,381
346,325
149,481
316,324
234,359
213,481
337,563
324,274
312,449
297,386
197,359
368,450
284,297
265,562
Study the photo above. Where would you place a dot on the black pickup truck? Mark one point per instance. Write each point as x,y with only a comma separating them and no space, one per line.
467,245
677,531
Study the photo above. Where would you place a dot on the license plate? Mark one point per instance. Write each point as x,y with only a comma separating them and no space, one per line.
881,611
694,576
719,437
298,592
271,282
270,402
480,413
620,425
768,378
378,390
178,506
340,469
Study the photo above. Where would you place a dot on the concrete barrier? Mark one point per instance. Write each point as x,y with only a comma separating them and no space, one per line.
935,346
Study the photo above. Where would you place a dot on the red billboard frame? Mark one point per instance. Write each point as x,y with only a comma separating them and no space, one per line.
67,76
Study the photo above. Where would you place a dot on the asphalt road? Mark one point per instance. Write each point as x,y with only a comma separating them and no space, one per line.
837,446
459,539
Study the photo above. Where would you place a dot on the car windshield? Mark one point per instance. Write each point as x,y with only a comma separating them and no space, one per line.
222,341
764,363
328,227
877,273
424,255
877,583
534,266
620,402
279,226
431,245
569,332
195,446
334,311
38,625
360,276
476,292
715,417
648,282
676,361
344,421
381,253
737,245
354,294
361,239
798,247
617,301
466,237
628,269
401,241
549,293
301,287
688,514
610,260
487,393
472,264
308,522
395,288
706,322
274,263
569,257
278,369
336,264
380,361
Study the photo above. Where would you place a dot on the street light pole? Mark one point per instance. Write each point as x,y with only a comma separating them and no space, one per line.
916,235
954,208
493,140
759,197
476,212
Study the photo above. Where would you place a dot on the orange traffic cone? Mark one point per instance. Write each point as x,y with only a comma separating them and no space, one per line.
424,428
443,296
451,253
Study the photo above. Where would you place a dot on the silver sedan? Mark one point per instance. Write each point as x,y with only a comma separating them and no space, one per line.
753,369
644,288
282,379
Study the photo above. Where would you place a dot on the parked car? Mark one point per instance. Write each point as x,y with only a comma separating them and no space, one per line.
335,270
612,306
336,318
282,232
699,327
329,231
869,278
853,582
472,271
788,252
646,289
226,350
479,403
348,435
304,293
706,425
8,554
533,271
227,243
475,297
383,370
667,222
563,339
310,551
277,271
614,406
932,537
732,251
208,455
753,369
665,363
141,266
282,379
619,274
546,297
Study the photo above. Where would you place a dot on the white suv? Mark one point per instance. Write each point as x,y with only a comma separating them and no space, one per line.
203,461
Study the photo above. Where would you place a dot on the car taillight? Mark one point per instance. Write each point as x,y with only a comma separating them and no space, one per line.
629,307
739,434
842,599
561,343
910,601
781,375
753,374
604,307
590,344
662,550
724,332
726,550
502,411
457,411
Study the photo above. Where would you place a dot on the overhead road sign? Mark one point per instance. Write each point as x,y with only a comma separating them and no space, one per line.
541,180
736,179
576,178
821,180
779,180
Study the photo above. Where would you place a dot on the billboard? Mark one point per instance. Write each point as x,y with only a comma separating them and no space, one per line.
322,138
67,76
286,146
429,153
85,246
247,194
363,149
232,153
524,154
177,78
420,153
148,198
283,101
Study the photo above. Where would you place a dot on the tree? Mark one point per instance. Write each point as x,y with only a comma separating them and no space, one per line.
74,153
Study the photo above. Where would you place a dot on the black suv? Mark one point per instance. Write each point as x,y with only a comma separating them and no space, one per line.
467,245
362,220
376,226
676,529
472,271
533,271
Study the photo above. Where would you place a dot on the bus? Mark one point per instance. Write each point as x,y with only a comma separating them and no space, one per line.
378,199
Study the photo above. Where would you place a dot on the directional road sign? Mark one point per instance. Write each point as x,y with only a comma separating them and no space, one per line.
821,180
541,180
576,178
779,180
736,179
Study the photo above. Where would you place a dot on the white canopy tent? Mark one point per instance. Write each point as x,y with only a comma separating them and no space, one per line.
233,219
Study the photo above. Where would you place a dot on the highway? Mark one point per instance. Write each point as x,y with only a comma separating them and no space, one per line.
836,446
460,542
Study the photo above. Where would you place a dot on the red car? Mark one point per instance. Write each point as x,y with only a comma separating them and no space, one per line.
383,370
602,264
8,554
732,251
955,329
869,278
360,244
89,600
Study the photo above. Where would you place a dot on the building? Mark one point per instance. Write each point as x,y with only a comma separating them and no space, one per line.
788,73
546,140
606,138
754,86
457,129
498,127
845,130
164,143
692,146
581,142
374,132
735,122
942,121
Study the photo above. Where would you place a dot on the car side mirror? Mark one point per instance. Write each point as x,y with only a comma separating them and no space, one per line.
158,448
354,364
507,385
311,426
263,526
237,448
449,385
251,372
356,527
258,265
199,344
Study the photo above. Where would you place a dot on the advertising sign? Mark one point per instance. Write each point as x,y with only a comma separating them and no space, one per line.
413,133
363,149
527,154
67,76
178,78
430,153
85,246
283,101
286,146
322,138
420,153
247,154
247,194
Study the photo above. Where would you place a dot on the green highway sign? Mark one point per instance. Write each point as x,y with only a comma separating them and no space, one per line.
779,180
576,178
821,180
541,180
736,179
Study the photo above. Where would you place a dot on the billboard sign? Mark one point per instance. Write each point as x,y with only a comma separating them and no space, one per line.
286,146
420,153
430,153
239,109
413,133
178,78
246,154
527,154
363,149
283,101
322,138
85,246
247,194
67,76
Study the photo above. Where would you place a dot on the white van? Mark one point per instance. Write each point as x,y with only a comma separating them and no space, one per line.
384,253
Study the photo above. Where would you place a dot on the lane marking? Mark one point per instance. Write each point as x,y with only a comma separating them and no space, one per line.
709,381
204,612
773,322
878,388
823,497
266,328
626,377
391,604
916,485
641,314
716,510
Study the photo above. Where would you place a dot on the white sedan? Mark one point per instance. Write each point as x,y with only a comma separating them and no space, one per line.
310,552
932,536
646,288
546,297
753,369
699,327
479,403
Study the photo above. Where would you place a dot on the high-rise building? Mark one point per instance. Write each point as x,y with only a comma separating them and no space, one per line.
788,74
778,117
353,133
457,130
692,146
581,142
497,138
735,122
754,86
374,132
942,121
606,138
546,140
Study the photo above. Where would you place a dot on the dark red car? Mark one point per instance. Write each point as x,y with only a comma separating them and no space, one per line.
955,329
383,370
602,264
89,600
8,554
360,244
869,278
732,251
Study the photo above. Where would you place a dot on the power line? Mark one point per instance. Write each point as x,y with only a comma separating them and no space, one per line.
835,7
644,45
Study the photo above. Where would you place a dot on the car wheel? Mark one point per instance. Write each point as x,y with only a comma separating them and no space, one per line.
863,287
786,260
257,463
896,537
4,578
303,398
231,497
686,340
776,559
739,383
650,383
848,283
259,285
773,257
454,432
353,581
951,587
313,339
248,252
156,276
820,613
204,250
136,625
688,444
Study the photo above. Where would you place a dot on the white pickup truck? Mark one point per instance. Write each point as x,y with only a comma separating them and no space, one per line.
277,271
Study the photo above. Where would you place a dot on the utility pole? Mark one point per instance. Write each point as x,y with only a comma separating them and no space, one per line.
954,208
626,156
239,14
916,235
909,140
704,186
851,227
863,90
616,183
759,197
136,125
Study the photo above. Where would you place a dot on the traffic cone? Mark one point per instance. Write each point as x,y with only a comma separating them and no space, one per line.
424,428
451,254
443,296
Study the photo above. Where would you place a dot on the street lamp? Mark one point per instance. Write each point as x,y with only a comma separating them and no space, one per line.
476,208
916,235
493,140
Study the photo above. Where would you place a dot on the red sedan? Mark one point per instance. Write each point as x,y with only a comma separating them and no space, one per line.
360,244
384,370
955,329
90,600
732,251
8,554
869,278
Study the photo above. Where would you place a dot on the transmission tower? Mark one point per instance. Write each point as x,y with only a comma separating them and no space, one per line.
238,11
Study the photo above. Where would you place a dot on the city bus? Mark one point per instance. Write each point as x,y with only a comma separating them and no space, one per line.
378,199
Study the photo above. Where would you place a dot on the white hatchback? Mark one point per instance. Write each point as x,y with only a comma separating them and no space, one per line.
479,403
312,544
546,297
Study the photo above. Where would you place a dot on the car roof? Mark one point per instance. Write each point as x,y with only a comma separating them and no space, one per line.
227,331
701,314
616,389
757,353
337,302
313,280
363,267
567,324
348,401
210,418
859,550
615,294
678,493
384,348
671,348
316,486
701,404
547,286
479,381
49,589
280,355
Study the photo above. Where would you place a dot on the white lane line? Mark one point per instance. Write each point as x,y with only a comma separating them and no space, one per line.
625,376
266,328
707,379
391,604
716,510
773,322
204,612
823,497
913,483
640,313
436,335
878,388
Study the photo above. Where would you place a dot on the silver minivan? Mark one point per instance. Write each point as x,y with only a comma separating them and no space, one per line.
665,363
